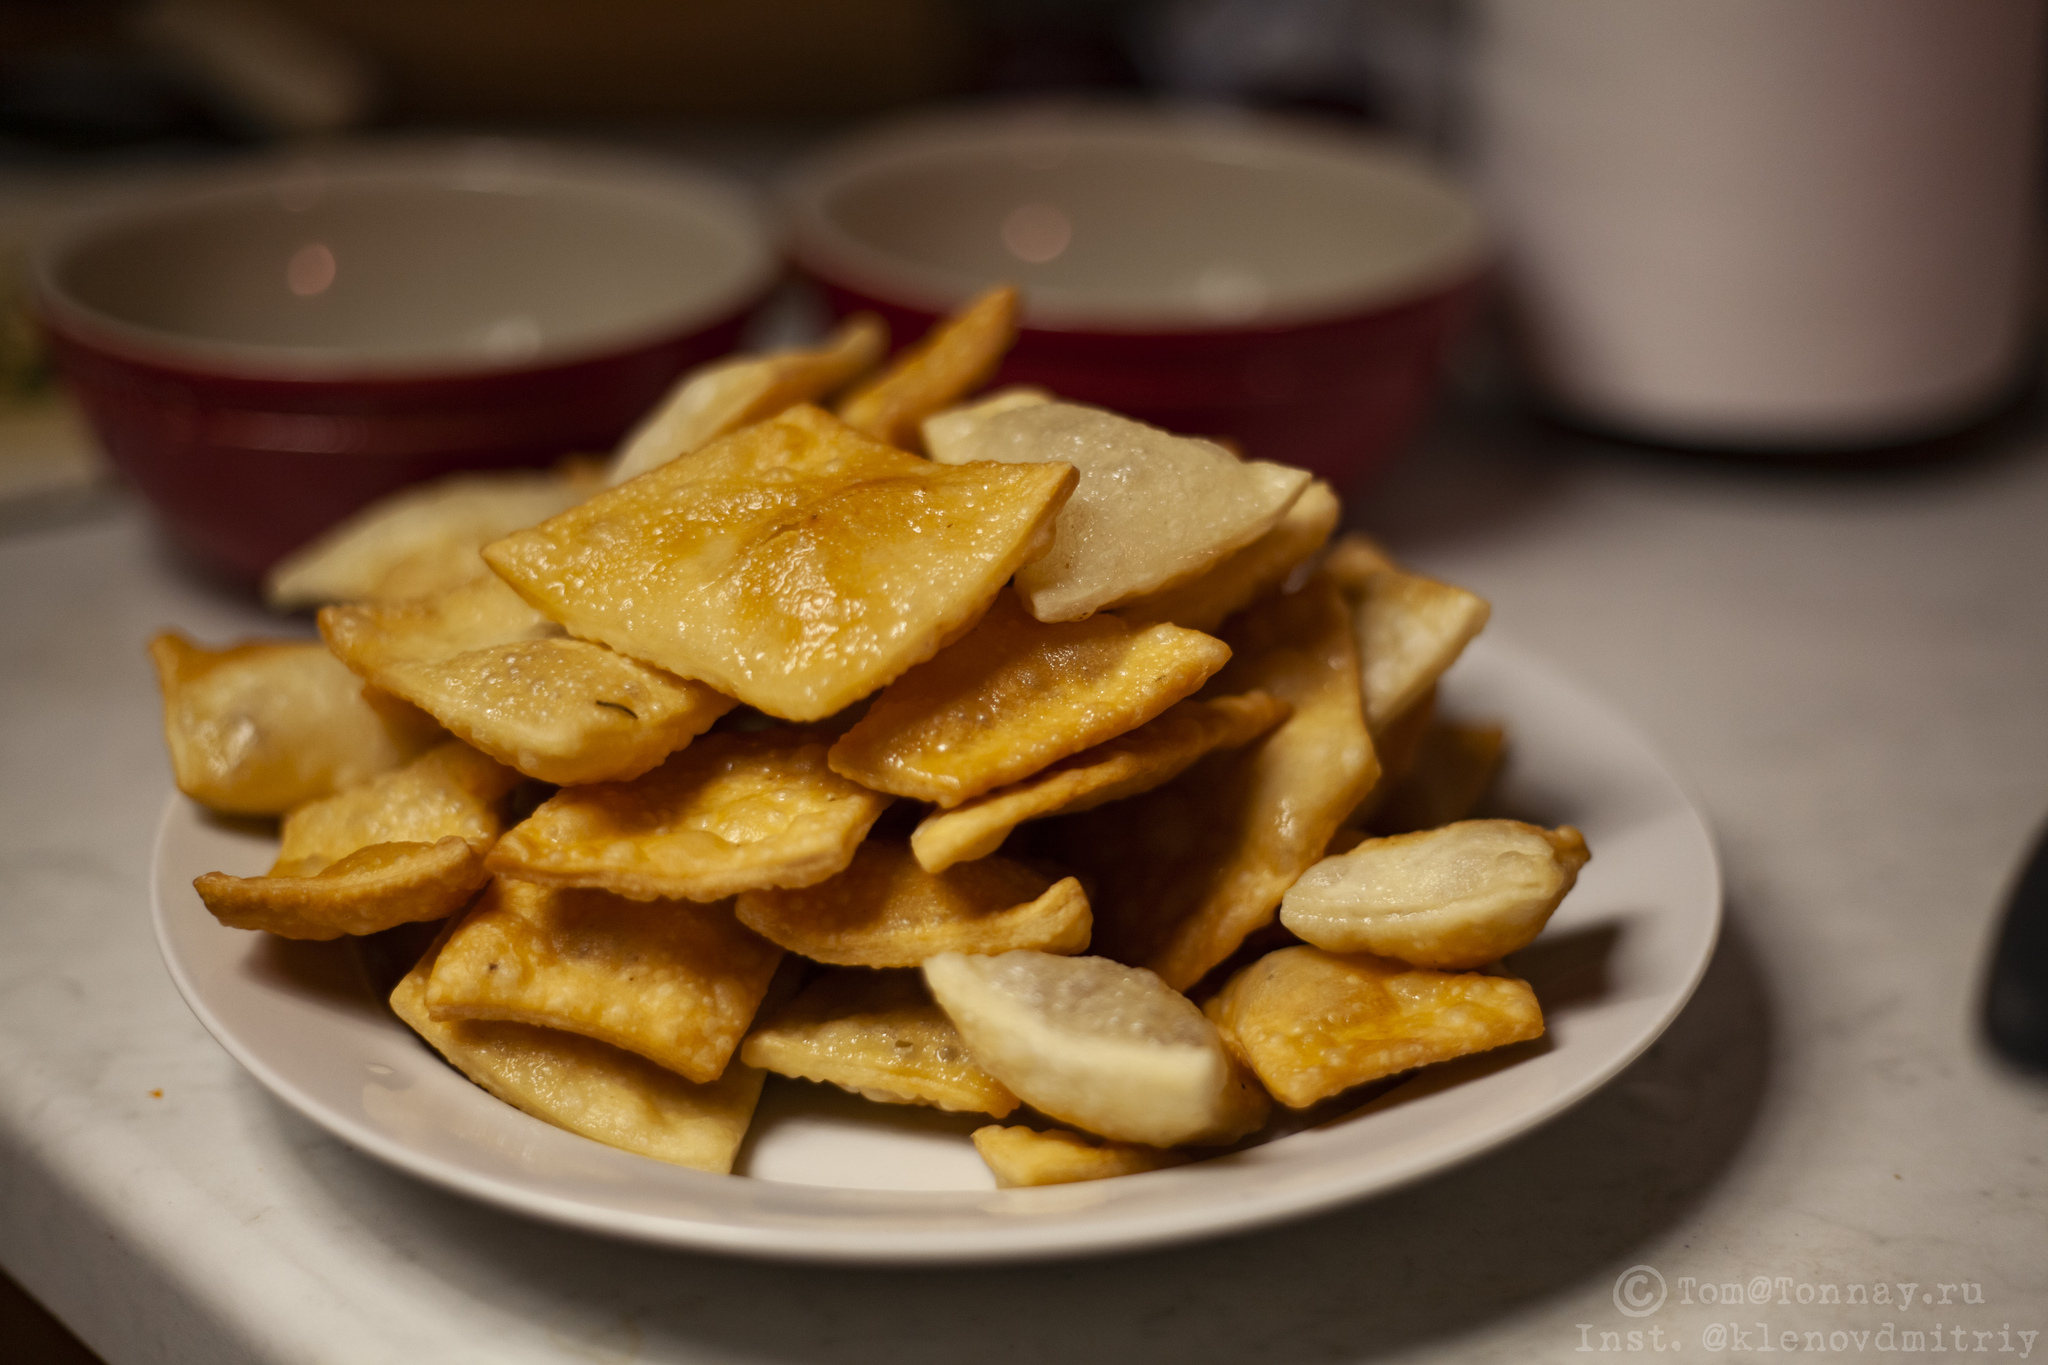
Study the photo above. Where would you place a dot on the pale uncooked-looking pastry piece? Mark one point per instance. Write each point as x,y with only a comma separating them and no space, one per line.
1152,510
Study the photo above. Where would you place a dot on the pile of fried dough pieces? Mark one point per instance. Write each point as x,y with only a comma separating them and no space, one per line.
945,751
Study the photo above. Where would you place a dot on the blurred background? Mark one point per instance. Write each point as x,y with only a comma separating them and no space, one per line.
100,95
1742,226
1756,335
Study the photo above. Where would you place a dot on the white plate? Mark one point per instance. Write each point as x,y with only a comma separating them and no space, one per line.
839,1179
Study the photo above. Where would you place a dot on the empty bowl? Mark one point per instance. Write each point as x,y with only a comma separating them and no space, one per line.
266,348
1289,285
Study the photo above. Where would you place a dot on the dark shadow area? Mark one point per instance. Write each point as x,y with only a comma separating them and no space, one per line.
1548,1212
330,971
1994,435
31,1335
1567,969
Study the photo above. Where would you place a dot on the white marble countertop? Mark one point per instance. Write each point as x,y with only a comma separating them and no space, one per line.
1851,671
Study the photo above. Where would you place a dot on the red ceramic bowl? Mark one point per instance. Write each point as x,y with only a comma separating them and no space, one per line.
1287,285
266,349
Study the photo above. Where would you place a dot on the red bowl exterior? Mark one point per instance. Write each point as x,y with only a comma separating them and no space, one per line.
244,469
1334,396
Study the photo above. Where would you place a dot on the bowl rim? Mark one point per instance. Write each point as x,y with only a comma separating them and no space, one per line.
428,160
822,250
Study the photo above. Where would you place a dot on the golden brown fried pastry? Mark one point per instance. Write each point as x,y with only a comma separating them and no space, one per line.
1451,898
404,847
590,1088
1453,769
1133,762
426,538
877,1034
1020,1156
717,399
1354,559
956,357
1312,1024
796,564
258,728
731,813
1246,575
1153,510
1187,870
1411,629
886,911
1015,694
674,981
502,676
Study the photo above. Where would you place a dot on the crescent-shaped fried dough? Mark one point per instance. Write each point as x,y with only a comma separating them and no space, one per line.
1452,898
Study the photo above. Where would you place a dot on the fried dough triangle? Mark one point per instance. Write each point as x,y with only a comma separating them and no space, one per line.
258,728
1013,695
731,813
1018,1156
886,911
502,676
1312,1023
1152,509
877,1034
1189,869
1244,576
676,982
1144,758
717,399
955,357
590,1088
795,564
425,538
404,847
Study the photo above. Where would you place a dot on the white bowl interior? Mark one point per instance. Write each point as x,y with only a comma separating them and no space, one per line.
1134,218
482,253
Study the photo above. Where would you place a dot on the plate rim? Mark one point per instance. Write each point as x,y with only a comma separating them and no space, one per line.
1046,1238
